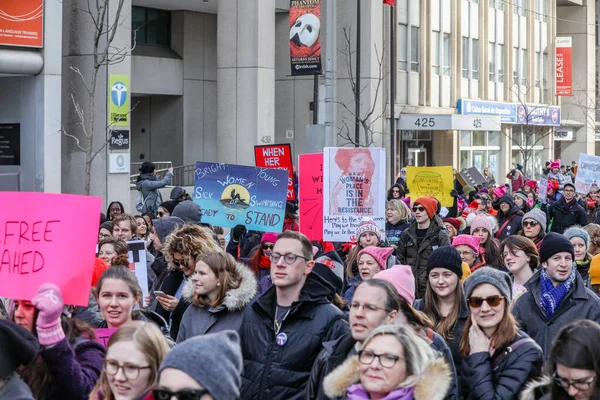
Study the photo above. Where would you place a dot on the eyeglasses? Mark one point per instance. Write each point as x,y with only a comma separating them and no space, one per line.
355,306
181,263
386,360
104,236
160,214
164,394
288,258
530,223
579,384
267,246
131,371
568,190
492,301
395,191
419,208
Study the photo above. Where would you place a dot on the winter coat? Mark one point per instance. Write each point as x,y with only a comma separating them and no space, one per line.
332,355
508,379
562,218
540,389
432,385
408,253
199,320
351,287
74,369
559,177
273,371
149,316
169,285
15,389
515,216
579,303
149,198
394,231
516,180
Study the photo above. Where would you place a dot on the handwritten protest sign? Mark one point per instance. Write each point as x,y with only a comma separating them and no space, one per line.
137,258
354,187
310,198
588,173
103,335
39,245
277,156
431,181
231,195
543,189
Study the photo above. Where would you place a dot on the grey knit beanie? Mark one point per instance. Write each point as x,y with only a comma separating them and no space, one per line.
188,211
497,278
213,360
165,226
537,215
578,231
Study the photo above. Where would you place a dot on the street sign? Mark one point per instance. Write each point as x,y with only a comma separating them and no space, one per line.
449,122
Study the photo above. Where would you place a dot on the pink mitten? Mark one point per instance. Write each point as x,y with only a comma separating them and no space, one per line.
49,302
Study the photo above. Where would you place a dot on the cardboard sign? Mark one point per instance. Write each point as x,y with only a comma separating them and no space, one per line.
278,156
39,245
431,181
103,335
310,196
470,176
588,173
543,189
354,187
231,195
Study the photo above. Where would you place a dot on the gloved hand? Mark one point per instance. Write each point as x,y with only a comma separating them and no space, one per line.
49,302
238,232
453,193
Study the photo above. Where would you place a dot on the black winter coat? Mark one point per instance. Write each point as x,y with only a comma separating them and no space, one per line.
408,253
563,218
169,285
282,372
515,216
579,303
508,379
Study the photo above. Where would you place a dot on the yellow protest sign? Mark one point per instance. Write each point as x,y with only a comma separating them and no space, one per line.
431,181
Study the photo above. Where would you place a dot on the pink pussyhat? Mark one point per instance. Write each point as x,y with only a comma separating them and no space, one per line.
380,254
555,164
468,240
402,278
531,183
499,191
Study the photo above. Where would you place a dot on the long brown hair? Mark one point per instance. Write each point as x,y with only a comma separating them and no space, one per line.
224,267
444,325
516,242
505,332
148,339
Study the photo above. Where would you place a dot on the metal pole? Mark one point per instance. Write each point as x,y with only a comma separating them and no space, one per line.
393,92
357,87
316,100
330,67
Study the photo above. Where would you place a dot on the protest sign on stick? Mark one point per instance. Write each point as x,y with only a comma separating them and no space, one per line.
278,156
543,189
588,173
231,195
431,181
310,198
137,260
354,187
39,245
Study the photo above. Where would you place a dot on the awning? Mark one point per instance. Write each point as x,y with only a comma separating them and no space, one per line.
21,62
449,122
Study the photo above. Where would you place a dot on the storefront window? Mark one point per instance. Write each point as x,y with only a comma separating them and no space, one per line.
465,138
479,138
480,150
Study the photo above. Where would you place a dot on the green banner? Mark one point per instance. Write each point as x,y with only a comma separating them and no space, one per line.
118,94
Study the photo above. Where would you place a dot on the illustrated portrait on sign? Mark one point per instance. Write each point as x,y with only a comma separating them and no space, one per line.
351,178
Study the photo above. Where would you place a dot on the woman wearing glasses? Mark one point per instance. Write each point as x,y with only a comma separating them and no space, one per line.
393,363
498,359
534,226
222,288
260,261
573,366
133,355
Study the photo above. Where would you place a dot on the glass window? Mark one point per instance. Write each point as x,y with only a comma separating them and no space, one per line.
475,59
435,57
538,73
465,57
519,7
523,71
151,26
492,61
402,45
545,68
464,159
515,66
414,49
501,63
465,138
494,138
447,55
479,138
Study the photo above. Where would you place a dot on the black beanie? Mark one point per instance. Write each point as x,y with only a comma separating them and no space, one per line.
445,257
17,347
508,199
554,243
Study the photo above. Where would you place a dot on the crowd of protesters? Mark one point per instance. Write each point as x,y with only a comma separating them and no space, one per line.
495,297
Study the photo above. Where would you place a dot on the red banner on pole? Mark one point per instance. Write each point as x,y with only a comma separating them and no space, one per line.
564,71
305,37
310,198
389,2
277,156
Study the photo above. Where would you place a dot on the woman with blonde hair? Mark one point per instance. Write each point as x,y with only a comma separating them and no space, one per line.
220,289
593,231
133,356
393,363
397,216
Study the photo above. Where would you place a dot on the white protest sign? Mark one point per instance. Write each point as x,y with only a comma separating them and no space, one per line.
588,173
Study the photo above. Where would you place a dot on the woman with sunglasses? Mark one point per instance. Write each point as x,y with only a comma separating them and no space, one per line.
395,192
573,367
133,355
498,359
166,209
520,259
534,226
260,261
222,290
393,363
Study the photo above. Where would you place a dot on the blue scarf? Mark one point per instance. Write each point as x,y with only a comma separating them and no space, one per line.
551,295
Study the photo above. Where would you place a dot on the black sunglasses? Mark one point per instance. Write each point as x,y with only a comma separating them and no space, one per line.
181,263
268,246
164,394
530,223
419,208
160,214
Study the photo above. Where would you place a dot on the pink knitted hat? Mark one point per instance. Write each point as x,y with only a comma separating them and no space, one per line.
380,254
481,221
555,164
269,237
402,278
499,191
531,183
468,240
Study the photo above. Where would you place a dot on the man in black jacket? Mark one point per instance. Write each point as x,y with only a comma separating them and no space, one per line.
282,331
566,212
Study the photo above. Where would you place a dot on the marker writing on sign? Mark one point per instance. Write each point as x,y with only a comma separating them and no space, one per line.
17,234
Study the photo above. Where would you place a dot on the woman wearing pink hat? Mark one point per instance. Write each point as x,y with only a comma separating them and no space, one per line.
371,260
468,247
489,248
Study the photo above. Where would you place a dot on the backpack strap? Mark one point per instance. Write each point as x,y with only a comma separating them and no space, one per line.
430,334
509,349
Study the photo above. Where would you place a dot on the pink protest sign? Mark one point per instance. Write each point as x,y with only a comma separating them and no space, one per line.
103,335
48,238
310,183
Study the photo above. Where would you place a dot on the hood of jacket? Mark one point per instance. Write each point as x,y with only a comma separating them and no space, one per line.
433,384
235,299
144,177
536,389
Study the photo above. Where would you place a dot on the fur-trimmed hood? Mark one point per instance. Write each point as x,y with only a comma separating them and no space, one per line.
433,385
537,389
235,299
